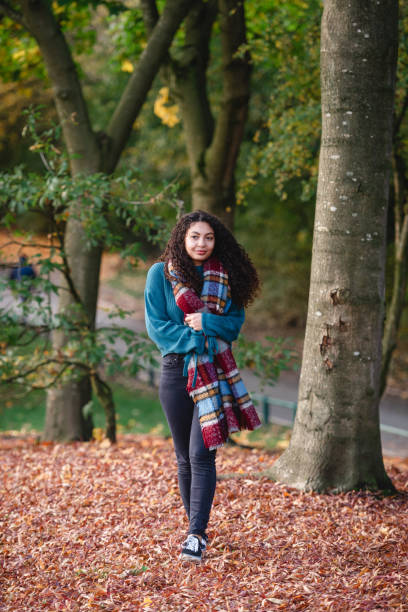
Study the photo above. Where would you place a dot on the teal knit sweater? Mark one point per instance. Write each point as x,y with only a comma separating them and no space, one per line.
165,320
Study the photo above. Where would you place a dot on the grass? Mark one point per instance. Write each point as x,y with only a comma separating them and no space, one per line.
138,411
25,414
270,437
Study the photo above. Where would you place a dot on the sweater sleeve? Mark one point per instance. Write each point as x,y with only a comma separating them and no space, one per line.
168,335
225,326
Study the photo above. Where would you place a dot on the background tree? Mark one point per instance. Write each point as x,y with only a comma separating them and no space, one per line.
398,268
279,173
278,163
88,153
212,144
336,437
28,362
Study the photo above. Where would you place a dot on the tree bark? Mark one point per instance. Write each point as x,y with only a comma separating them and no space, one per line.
64,418
104,393
336,441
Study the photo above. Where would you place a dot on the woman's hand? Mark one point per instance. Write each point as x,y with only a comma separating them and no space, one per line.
194,321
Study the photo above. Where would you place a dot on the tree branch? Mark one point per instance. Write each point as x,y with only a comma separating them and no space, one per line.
150,14
6,10
140,81
29,371
191,83
223,154
25,244
104,393
72,111
400,118
52,383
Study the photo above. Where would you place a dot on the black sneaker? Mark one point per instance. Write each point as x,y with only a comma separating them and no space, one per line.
204,541
192,549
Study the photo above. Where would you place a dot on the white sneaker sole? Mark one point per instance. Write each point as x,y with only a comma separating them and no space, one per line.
186,557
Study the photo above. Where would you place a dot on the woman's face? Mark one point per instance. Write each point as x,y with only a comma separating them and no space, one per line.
199,241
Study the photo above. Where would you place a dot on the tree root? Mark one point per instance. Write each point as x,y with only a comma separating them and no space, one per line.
249,475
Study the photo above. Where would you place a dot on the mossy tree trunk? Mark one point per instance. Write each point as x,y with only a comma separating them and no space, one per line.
87,154
336,441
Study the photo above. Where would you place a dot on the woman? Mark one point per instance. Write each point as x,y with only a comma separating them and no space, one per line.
194,307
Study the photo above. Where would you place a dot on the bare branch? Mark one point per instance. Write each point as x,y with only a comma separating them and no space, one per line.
82,144
26,244
53,382
64,365
29,371
45,162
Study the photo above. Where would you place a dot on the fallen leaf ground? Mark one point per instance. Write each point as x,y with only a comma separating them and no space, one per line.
91,527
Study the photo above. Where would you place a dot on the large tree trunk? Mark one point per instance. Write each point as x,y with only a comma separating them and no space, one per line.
213,148
64,418
336,438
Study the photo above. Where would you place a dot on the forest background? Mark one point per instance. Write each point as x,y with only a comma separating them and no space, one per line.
98,524
273,192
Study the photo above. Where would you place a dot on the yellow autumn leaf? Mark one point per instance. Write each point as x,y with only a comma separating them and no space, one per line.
168,114
57,9
36,146
126,66
26,92
98,434
20,54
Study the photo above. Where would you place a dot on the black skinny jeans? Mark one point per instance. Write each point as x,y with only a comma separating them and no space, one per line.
196,464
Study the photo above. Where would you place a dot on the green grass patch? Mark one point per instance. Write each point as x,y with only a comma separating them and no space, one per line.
270,437
138,411
21,413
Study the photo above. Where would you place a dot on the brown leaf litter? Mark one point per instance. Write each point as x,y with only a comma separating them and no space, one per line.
95,527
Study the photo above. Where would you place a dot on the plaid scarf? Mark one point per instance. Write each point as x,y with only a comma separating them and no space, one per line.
214,382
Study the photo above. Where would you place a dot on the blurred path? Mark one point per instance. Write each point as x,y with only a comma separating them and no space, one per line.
393,409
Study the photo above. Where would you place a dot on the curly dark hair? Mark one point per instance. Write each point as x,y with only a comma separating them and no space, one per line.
243,278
